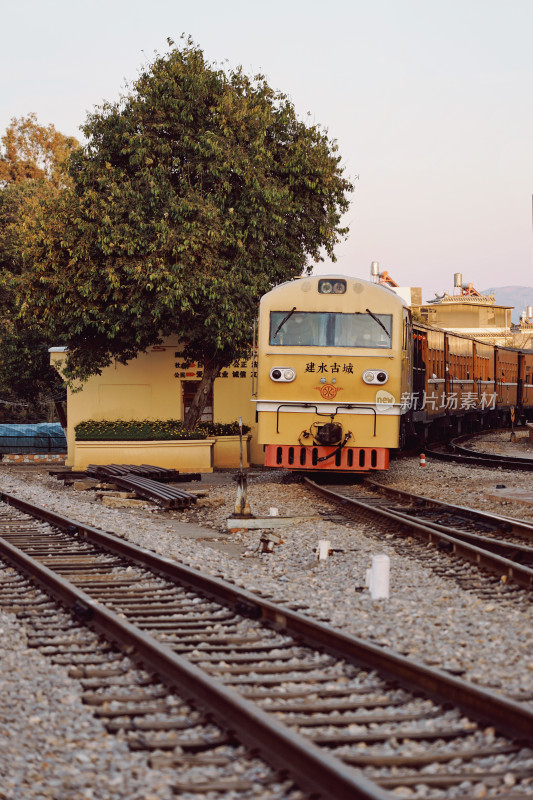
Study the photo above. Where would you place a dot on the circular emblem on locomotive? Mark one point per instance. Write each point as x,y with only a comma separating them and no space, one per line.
329,391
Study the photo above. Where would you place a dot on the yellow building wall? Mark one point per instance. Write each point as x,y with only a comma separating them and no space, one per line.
466,315
150,387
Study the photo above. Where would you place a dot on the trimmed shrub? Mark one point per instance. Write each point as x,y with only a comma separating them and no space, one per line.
222,428
151,430
134,430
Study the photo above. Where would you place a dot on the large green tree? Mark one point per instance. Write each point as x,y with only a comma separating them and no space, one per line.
32,176
194,195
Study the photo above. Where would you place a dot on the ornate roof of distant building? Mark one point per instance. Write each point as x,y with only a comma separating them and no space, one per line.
483,299
468,294
479,332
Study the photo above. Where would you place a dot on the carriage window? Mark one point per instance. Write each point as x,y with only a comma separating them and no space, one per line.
326,329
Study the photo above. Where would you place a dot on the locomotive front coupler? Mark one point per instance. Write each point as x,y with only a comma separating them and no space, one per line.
328,434
338,448
325,434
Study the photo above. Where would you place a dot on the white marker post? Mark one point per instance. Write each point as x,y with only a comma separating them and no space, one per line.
323,549
379,586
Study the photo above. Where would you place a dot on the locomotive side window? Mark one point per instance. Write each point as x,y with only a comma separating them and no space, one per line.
328,329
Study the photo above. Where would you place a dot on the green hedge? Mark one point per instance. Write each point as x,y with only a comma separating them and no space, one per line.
222,428
150,430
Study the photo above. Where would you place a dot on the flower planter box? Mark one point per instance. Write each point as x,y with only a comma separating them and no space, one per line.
187,455
227,451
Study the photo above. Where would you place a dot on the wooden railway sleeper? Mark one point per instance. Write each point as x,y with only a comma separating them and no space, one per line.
253,669
145,742
140,709
169,724
446,780
317,720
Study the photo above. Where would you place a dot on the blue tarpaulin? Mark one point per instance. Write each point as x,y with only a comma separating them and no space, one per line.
42,437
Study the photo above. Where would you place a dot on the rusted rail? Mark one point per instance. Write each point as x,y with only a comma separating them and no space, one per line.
233,658
469,548
455,450
145,480
165,496
142,470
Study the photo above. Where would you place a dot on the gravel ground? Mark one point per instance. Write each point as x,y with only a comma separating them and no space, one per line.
67,755
50,745
499,442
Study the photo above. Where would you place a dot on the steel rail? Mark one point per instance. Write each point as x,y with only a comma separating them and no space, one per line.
476,460
457,445
166,496
513,524
312,768
498,547
508,716
497,564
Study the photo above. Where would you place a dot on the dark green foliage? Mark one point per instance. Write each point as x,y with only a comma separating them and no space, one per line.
93,430
134,429
32,177
27,381
222,428
194,195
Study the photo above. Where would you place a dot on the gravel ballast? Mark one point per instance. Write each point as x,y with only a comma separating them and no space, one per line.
427,617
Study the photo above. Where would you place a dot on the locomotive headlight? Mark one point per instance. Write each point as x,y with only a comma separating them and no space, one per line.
375,376
282,374
331,287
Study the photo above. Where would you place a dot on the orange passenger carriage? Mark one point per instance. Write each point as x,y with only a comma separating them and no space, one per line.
525,380
506,375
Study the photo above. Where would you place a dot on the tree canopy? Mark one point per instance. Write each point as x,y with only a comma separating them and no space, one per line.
194,195
32,175
31,152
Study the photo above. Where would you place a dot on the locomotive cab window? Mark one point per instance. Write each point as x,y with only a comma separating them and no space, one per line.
330,329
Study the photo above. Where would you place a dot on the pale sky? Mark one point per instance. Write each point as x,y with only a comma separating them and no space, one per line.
431,104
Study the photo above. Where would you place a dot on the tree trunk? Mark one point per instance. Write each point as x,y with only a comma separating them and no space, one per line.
61,413
199,402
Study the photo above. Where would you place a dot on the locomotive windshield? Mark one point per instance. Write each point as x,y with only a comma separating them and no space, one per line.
328,329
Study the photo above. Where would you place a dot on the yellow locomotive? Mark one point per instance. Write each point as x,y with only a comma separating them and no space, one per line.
334,360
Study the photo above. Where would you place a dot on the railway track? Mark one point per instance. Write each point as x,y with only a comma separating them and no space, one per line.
198,668
456,450
501,545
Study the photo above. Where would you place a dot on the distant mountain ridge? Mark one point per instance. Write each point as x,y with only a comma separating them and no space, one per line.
518,296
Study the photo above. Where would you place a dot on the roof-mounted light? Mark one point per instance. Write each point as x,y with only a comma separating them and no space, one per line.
331,287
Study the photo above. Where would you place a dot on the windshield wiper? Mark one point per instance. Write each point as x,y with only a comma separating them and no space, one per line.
283,321
379,322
